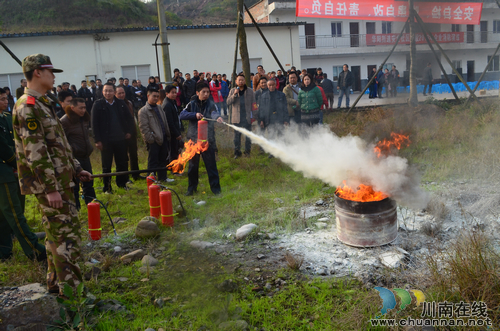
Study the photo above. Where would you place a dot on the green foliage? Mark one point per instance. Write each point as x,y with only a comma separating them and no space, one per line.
173,19
53,15
75,311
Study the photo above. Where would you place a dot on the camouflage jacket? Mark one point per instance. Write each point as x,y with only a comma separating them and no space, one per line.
45,162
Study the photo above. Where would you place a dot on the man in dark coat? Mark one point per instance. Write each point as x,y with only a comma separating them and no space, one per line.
169,106
76,127
112,125
188,88
427,78
380,83
85,94
273,111
394,81
345,81
327,86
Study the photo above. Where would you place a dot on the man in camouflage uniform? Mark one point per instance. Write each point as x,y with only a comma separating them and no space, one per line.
46,168
12,220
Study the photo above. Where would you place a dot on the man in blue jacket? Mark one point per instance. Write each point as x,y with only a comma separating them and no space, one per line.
224,91
198,108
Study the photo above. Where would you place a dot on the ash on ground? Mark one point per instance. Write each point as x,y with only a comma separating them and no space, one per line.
455,208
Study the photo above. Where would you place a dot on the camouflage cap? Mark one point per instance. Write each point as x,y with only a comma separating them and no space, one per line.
38,61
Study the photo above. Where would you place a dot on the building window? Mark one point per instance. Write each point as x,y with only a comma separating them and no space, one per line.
336,72
386,27
12,81
141,72
496,26
455,28
457,64
336,29
494,65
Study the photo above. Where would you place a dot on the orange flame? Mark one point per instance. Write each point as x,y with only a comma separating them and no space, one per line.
385,146
192,149
363,193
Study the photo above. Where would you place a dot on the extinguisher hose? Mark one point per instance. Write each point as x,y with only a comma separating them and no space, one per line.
180,202
107,212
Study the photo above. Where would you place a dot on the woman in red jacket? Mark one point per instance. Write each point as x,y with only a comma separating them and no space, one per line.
215,88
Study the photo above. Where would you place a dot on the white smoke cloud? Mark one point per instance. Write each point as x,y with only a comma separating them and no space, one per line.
319,153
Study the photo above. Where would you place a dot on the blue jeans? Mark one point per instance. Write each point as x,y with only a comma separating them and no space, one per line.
343,91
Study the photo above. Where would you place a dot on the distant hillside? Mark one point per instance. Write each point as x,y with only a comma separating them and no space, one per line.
52,15
205,11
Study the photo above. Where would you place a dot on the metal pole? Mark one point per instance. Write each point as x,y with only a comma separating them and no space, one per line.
233,75
264,38
164,42
413,99
444,54
156,51
11,54
380,68
482,75
440,64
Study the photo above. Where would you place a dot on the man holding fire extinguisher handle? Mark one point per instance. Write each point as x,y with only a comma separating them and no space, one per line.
198,108
46,169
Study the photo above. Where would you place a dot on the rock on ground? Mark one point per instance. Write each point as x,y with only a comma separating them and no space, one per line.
244,231
133,256
147,228
149,260
200,244
29,304
391,259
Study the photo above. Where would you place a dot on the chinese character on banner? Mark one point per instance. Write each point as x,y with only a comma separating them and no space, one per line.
341,9
329,8
462,309
316,8
379,38
390,11
447,13
402,11
374,38
393,38
429,309
469,11
384,38
379,10
353,9
458,14
445,309
436,12
478,309
453,37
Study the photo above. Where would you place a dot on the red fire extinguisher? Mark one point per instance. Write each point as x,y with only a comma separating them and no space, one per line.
167,211
150,179
202,130
154,200
94,212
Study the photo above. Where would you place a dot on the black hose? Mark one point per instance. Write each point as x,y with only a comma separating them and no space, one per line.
106,209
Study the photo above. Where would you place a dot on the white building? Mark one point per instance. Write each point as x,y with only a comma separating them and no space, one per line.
329,43
130,53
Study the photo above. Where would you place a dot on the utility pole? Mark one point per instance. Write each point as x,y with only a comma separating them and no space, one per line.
164,42
413,99
245,61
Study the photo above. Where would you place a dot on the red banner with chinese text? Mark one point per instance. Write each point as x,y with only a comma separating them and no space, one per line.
391,10
390,39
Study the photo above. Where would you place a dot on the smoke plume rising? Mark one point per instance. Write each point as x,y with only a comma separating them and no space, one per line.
319,153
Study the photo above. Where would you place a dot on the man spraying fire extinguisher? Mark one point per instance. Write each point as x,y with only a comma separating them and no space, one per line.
198,108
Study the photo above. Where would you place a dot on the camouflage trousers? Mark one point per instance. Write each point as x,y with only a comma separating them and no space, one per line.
62,241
